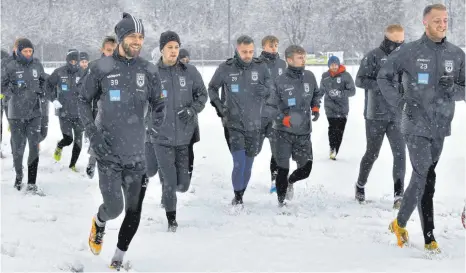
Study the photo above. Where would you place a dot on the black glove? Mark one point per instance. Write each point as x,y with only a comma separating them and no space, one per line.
22,85
100,144
261,91
316,115
222,111
158,118
186,114
447,82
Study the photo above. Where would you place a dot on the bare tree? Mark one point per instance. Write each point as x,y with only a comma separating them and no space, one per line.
296,16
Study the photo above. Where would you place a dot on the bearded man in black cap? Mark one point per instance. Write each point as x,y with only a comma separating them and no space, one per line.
23,82
126,85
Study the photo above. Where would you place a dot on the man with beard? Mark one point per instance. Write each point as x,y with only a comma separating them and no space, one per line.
276,67
125,85
381,118
63,91
23,82
83,60
108,46
433,79
296,96
185,96
246,84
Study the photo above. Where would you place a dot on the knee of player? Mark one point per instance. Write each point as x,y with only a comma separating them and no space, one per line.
307,168
372,156
183,188
115,208
151,172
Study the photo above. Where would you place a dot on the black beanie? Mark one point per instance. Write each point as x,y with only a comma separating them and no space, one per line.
183,53
73,54
24,43
168,36
128,25
83,56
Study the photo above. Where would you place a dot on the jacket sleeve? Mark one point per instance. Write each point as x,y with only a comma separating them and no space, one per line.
51,86
317,96
388,77
43,81
199,92
274,101
459,93
90,90
214,85
349,85
156,100
322,89
6,82
267,81
365,78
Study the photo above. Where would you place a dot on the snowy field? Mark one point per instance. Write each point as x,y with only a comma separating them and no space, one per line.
326,231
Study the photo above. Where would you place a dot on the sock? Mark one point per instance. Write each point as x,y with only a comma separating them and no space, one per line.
237,175
429,236
119,254
99,222
171,216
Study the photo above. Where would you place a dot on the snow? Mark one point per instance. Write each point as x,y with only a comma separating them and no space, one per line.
326,230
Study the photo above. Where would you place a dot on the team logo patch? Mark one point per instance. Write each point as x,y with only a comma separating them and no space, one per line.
449,66
34,73
254,75
338,80
306,87
140,78
77,79
182,81
280,71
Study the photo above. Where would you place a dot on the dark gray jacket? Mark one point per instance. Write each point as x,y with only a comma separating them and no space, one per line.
182,86
295,94
428,107
336,90
62,85
245,88
124,88
81,81
5,62
24,85
375,106
45,101
276,67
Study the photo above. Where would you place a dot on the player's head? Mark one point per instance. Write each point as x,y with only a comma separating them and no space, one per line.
245,48
435,20
295,56
270,44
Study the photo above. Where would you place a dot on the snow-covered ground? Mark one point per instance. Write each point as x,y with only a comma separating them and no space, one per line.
326,231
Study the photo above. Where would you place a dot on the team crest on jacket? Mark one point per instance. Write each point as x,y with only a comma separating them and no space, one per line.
140,79
77,79
254,75
182,81
280,71
306,87
449,66
34,73
338,80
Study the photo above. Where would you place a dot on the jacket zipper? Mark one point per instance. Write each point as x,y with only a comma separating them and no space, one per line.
174,104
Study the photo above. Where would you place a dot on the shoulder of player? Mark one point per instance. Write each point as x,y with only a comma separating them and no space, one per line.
308,74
